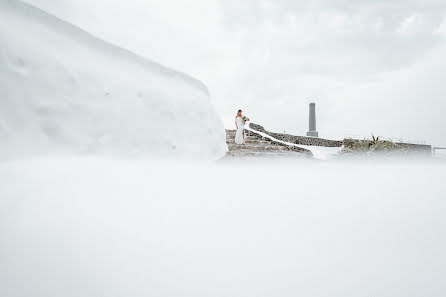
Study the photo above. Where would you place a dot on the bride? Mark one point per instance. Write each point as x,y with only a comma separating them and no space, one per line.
240,124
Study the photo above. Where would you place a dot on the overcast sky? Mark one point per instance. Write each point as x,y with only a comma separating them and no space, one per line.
370,66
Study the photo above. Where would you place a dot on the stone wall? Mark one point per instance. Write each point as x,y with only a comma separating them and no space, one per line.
424,149
303,140
257,145
272,142
400,148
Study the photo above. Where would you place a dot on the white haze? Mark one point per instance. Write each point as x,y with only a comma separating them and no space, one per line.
98,227
90,226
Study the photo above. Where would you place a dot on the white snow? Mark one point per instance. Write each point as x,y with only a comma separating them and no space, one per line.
63,91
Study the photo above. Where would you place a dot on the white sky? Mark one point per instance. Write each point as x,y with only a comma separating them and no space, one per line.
371,66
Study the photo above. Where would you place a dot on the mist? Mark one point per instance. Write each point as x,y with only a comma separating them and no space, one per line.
121,173
101,227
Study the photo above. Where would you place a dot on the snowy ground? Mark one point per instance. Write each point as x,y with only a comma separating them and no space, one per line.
98,227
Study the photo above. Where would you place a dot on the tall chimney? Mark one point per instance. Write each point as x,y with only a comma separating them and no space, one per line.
312,122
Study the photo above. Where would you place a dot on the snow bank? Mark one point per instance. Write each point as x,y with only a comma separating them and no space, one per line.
65,91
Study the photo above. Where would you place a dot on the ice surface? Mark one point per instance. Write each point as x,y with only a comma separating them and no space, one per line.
65,91
96,227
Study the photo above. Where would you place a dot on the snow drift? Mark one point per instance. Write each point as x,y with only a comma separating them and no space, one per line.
64,91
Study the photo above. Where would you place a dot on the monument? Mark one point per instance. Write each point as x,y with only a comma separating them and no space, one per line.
312,123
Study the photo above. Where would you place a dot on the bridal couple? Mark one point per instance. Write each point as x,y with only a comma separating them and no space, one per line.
240,121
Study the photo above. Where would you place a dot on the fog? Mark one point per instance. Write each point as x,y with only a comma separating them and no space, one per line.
84,212
100,227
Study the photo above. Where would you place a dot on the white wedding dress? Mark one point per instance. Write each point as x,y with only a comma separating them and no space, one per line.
239,133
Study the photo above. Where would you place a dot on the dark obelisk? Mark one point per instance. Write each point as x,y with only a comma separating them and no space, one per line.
312,129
